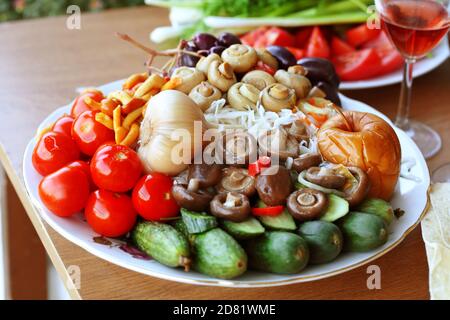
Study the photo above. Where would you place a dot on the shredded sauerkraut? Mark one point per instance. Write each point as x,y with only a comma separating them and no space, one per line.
258,121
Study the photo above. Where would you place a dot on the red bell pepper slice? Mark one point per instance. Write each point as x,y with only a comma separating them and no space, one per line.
268,211
255,168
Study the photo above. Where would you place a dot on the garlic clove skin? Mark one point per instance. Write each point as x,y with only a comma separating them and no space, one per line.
190,77
241,57
204,94
221,75
170,114
258,78
242,96
277,97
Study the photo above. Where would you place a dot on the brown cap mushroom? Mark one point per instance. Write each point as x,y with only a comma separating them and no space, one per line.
236,148
267,58
207,175
221,75
277,97
243,96
307,204
191,198
306,161
240,56
356,195
230,206
278,143
299,83
297,69
274,185
204,94
325,177
260,79
190,77
237,180
204,62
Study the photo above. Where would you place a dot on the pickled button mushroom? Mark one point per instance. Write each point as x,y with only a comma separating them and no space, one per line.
307,204
241,57
243,96
230,206
190,77
258,78
236,148
237,180
356,195
221,75
267,58
204,94
274,185
278,143
299,83
277,97
325,177
207,175
298,130
306,161
298,69
204,62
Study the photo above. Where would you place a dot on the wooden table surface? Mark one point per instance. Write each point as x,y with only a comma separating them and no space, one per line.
42,63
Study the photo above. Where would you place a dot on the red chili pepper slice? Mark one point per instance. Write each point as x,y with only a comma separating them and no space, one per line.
268,211
255,168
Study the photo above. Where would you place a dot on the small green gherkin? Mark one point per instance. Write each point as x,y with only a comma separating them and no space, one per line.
379,208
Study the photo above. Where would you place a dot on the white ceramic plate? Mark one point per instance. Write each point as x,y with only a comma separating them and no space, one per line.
409,195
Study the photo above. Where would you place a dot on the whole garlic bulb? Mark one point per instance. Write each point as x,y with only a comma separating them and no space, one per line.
168,112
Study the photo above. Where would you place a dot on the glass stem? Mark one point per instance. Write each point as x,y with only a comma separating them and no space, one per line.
404,105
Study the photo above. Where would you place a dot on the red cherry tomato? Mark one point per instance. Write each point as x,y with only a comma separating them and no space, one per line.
115,168
391,59
53,151
90,134
358,65
361,34
64,125
83,165
339,46
110,214
152,197
317,45
65,192
79,106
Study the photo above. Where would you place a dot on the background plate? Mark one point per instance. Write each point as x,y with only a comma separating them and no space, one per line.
409,195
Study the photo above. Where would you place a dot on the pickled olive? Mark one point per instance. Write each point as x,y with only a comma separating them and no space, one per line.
227,39
204,41
320,70
284,57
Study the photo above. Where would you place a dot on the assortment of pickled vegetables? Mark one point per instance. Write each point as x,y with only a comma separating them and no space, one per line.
292,179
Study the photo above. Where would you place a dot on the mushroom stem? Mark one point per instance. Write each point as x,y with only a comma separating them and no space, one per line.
193,185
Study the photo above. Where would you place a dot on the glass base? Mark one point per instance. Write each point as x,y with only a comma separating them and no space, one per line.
441,174
428,140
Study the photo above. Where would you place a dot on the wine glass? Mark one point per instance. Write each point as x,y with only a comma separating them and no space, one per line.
415,27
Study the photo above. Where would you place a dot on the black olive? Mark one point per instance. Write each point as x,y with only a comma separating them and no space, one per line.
284,57
227,39
330,91
188,60
205,41
320,70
